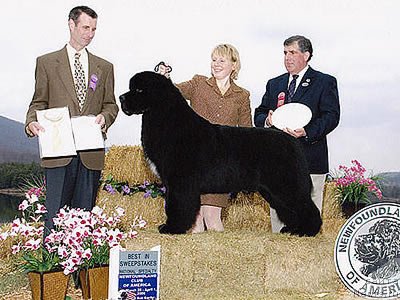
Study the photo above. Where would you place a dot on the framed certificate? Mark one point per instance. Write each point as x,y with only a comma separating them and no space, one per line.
56,139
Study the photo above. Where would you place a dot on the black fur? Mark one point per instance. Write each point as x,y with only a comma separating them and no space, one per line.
193,157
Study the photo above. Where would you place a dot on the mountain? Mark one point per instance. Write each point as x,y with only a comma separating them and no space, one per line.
15,146
389,183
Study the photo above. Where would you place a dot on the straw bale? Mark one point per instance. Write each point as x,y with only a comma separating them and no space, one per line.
127,163
247,211
331,204
149,209
243,264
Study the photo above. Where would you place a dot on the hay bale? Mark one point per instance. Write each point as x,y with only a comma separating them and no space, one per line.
149,209
127,163
248,211
332,216
243,264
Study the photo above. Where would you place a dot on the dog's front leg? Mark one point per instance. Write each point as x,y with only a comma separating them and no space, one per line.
182,207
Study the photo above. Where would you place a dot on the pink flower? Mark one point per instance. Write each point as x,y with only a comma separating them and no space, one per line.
87,254
132,234
24,205
353,185
16,248
32,244
41,209
62,252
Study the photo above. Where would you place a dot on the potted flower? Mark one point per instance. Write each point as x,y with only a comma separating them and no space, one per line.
83,240
354,188
80,241
34,257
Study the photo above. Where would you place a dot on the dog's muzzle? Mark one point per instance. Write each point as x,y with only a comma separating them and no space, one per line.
122,98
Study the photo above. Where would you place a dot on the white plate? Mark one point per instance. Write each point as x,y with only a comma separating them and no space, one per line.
291,115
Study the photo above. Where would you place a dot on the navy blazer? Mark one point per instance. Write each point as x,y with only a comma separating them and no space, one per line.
319,92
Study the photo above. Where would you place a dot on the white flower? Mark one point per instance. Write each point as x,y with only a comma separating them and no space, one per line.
120,211
41,209
33,198
4,236
24,205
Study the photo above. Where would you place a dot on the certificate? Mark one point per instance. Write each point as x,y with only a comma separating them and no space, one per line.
56,139
87,133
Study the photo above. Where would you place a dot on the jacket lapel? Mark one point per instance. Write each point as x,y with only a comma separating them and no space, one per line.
282,87
64,71
95,75
305,84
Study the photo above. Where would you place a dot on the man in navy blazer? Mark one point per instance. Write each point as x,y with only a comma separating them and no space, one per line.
316,90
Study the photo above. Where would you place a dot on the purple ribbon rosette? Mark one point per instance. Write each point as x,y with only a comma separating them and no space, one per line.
93,82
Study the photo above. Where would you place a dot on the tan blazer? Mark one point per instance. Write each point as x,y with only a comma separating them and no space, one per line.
54,87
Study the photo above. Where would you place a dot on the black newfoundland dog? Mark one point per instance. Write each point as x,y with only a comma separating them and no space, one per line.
193,157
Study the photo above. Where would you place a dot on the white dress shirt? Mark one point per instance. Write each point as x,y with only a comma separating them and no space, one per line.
84,59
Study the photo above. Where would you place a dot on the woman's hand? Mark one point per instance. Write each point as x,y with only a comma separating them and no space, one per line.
163,69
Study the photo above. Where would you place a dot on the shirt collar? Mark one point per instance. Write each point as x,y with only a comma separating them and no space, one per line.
71,53
301,74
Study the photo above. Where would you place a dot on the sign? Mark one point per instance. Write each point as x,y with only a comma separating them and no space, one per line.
134,275
367,252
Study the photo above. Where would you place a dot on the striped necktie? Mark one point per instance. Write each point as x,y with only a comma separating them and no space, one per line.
292,88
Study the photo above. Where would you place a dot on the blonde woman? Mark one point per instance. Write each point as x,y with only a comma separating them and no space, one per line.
221,101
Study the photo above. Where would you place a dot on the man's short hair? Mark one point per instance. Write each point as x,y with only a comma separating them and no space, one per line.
75,13
303,43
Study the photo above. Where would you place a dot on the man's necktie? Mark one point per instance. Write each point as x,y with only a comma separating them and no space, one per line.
80,81
292,88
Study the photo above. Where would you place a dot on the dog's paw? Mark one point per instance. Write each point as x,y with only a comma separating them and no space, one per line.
167,229
296,231
291,231
163,228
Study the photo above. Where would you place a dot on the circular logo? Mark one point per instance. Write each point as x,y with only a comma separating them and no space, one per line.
367,252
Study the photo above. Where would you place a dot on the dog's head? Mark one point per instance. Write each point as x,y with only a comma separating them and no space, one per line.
145,90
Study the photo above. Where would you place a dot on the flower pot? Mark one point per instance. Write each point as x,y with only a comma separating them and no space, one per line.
94,283
349,209
48,285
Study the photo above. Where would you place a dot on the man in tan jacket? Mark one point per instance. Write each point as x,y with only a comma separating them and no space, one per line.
83,82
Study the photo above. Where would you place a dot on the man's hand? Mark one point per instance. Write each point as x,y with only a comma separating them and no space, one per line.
101,120
268,120
297,133
33,128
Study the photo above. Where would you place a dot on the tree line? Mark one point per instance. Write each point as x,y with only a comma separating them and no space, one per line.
15,175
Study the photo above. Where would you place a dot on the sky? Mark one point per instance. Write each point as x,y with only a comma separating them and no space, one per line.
355,41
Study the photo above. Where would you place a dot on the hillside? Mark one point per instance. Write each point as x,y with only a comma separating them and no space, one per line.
390,184
14,144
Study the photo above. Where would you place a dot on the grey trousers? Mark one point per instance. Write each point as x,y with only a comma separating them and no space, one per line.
73,185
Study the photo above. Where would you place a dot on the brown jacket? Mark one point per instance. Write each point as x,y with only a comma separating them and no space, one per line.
54,87
232,108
